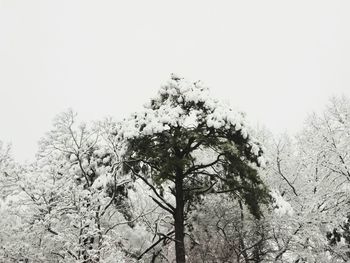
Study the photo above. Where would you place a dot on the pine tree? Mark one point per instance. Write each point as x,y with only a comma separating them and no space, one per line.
191,145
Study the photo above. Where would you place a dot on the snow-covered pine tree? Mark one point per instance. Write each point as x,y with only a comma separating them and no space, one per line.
187,144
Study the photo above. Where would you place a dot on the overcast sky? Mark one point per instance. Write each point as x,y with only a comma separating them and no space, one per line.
275,60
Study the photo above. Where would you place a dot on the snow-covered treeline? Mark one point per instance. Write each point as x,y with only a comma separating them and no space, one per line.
185,180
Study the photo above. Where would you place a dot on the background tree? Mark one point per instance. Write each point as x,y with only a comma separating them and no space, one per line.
324,147
309,171
7,165
70,200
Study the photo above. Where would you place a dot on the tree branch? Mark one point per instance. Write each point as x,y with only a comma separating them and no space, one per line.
151,186
164,237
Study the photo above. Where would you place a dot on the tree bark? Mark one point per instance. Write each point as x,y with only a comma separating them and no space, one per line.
179,220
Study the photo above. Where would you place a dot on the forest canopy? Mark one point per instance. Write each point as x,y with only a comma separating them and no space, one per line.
186,179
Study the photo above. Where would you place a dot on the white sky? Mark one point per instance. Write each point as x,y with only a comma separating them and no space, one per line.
275,60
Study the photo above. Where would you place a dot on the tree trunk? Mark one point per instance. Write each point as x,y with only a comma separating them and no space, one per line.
241,238
179,220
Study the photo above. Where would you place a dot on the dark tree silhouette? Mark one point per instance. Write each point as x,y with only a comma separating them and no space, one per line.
189,144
